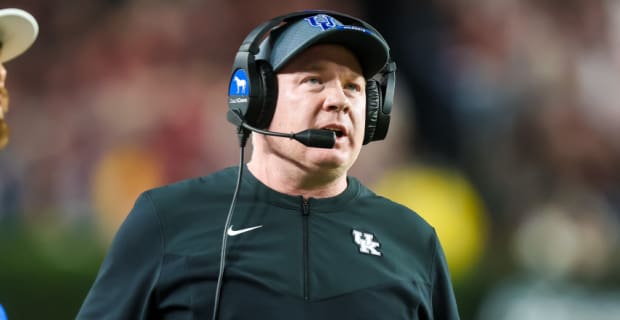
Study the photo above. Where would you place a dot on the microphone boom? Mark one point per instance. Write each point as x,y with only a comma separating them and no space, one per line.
316,138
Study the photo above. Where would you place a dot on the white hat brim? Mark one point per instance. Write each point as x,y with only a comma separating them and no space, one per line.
18,30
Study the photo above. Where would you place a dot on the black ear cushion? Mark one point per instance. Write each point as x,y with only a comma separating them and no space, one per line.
269,94
373,106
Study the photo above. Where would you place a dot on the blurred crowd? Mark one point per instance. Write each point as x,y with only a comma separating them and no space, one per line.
505,133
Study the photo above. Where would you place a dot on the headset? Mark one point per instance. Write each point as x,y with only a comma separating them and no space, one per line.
256,105
252,96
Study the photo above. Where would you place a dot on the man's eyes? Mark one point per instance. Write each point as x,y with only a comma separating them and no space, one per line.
312,80
354,87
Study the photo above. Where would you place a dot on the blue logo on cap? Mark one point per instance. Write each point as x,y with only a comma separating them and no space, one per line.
239,84
322,21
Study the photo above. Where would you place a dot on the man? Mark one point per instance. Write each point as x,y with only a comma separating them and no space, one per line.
18,30
301,239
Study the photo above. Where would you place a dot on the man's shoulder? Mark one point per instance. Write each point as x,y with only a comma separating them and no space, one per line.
393,211
202,187
221,176
408,215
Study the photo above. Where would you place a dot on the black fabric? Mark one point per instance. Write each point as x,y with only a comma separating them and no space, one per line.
303,263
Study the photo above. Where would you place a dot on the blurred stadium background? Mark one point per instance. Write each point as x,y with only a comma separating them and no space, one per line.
505,136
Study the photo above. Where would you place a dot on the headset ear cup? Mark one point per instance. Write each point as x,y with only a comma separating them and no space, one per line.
269,94
373,106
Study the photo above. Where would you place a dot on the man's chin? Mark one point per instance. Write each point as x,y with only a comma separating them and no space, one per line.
332,162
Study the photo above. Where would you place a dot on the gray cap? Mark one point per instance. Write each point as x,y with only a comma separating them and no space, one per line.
291,39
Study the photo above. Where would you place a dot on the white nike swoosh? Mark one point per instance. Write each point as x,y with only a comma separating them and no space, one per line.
233,233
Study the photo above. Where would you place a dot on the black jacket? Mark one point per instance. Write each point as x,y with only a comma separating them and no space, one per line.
353,256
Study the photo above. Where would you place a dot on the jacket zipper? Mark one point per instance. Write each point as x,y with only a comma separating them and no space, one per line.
305,213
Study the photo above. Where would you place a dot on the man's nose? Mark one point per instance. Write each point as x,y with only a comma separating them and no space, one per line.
336,99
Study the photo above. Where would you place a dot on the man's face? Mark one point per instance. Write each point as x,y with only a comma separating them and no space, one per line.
321,88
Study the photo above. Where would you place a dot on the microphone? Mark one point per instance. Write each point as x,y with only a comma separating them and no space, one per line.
317,138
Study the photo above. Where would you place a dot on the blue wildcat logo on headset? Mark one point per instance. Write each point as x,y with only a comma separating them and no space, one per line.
239,84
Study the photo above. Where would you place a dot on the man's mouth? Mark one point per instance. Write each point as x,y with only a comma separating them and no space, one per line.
338,130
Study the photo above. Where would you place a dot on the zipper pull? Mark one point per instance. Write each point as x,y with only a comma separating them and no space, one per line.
305,207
